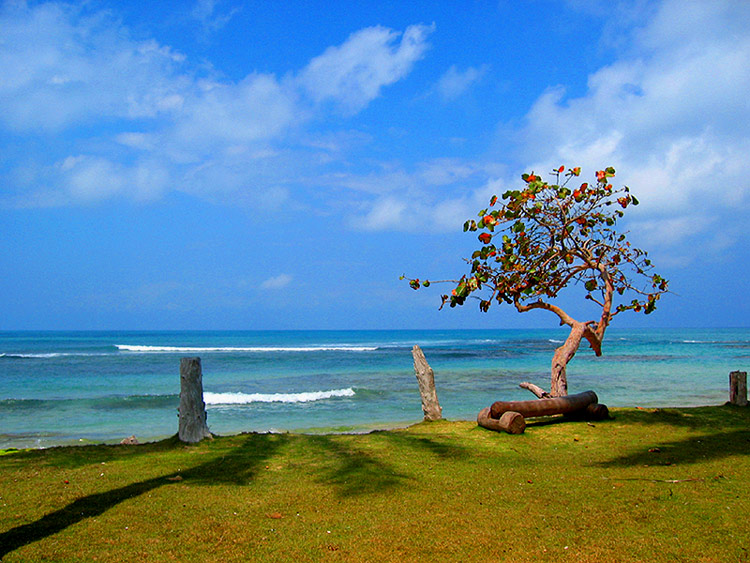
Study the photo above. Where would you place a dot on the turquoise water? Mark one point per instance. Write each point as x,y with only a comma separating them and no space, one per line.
82,387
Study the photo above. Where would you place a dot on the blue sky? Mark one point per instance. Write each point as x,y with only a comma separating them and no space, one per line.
259,165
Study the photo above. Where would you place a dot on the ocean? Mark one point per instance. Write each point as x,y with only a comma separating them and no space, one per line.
99,387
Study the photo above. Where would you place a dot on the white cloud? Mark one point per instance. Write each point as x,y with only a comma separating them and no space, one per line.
141,141
277,282
257,109
62,67
668,231
669,115
437,196
72,72
90,178
443,171
455,82
353,74
386,213
424,210
205,12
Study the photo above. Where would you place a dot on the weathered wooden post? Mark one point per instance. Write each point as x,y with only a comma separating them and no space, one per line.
193,426
426,379
738,388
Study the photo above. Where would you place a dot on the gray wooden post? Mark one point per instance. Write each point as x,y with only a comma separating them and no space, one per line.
426,380
193,426
738,388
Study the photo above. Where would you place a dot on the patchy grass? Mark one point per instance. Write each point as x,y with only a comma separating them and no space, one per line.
651,485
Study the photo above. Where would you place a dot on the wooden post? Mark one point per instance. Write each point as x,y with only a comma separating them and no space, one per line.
426,379
193,426
738,388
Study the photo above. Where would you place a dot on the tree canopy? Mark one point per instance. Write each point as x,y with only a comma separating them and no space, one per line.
545,237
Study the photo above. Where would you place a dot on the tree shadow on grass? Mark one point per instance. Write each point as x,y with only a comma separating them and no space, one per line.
356,472
723,417
236,466
444,451
694,449
74,456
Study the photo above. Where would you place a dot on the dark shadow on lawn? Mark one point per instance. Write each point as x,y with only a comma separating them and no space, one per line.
236,466
690,450
78,456
723,417
443,450
356,472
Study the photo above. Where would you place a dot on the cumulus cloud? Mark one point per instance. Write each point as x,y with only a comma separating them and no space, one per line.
666,113
353,73
62,67
168,123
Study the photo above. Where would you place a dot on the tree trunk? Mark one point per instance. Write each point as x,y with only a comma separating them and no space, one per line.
426,379
193,426
563,355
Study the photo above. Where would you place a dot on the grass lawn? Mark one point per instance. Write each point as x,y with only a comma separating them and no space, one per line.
650,485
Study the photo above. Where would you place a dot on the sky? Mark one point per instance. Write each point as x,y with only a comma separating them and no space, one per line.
227,164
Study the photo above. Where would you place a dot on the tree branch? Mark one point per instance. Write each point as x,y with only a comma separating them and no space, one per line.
538,391
565,319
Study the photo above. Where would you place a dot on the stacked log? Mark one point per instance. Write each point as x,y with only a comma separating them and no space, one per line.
509,416
510,422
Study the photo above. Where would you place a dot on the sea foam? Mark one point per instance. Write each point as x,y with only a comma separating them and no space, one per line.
172,349
247,398
45,355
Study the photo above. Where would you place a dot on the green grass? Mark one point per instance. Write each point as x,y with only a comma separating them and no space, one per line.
445,491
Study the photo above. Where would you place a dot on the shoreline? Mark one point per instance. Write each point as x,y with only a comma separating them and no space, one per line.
331,431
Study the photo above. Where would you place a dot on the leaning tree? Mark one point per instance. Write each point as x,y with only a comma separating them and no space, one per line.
546,237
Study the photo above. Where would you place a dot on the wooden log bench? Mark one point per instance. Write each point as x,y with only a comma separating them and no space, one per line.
509,416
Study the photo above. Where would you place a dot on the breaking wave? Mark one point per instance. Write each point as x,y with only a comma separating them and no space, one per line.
214,399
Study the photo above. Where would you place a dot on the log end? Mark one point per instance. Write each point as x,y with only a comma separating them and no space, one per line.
597,411
513,422
510,422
